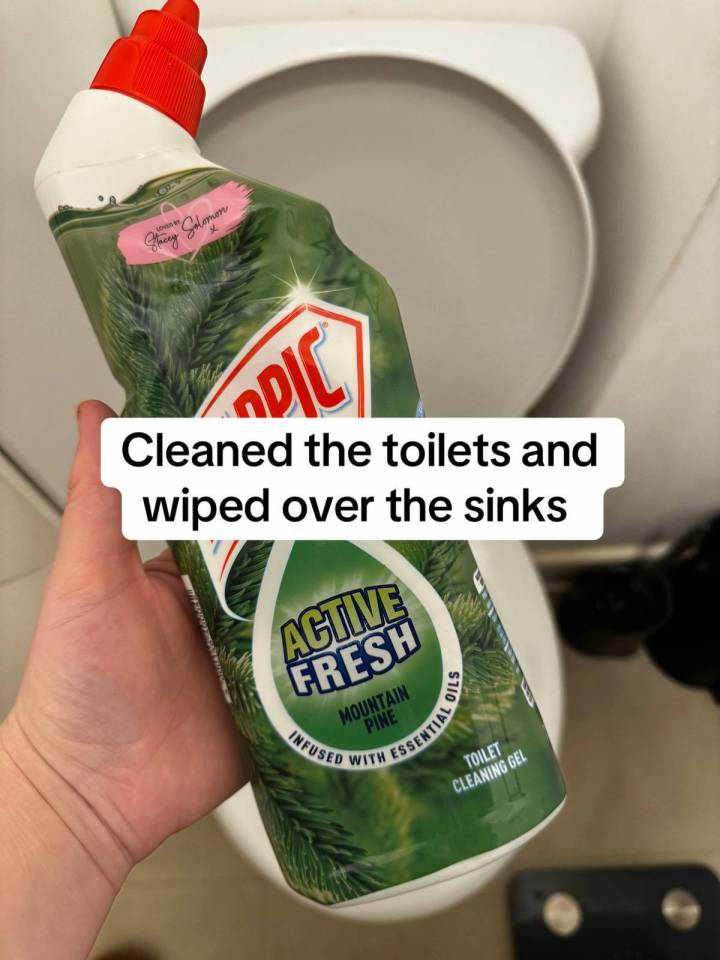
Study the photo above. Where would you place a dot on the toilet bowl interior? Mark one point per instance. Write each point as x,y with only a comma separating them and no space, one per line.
451,191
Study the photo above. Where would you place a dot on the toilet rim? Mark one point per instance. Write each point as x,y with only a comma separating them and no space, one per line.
535,68
544,70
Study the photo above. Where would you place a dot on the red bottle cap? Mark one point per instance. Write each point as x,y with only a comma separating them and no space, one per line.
160,63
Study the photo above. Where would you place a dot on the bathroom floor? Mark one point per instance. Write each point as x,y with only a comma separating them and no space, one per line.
640,756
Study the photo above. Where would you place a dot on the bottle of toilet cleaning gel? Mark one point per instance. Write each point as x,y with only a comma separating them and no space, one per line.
395,742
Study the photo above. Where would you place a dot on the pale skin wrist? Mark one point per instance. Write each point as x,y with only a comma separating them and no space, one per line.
53,850
120,735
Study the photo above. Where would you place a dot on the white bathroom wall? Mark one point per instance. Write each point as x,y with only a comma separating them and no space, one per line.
47,53
650,351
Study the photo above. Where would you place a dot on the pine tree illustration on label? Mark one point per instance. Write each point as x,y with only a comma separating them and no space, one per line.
393,737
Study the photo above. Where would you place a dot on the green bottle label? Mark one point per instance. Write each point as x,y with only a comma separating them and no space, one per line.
390,727
357,668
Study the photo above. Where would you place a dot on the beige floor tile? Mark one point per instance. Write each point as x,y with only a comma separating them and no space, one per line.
243,917
642,761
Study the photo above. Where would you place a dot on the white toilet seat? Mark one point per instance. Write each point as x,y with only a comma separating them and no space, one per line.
365,118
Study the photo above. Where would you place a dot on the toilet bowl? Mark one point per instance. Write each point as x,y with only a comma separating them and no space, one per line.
449,155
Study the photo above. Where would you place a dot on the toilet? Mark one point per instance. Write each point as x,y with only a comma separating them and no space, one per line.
449,155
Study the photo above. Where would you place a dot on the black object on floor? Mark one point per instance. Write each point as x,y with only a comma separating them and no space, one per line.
687,645
669,605
610,611
622,913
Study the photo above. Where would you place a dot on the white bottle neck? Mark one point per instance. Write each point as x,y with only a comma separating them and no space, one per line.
106,145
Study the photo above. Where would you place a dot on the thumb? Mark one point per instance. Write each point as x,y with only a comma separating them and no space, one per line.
91,533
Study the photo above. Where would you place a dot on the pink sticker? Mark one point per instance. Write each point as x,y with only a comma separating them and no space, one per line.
183,231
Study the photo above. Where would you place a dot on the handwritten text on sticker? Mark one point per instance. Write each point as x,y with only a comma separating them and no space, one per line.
183,231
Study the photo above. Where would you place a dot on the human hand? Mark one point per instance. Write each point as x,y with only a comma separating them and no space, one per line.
120,725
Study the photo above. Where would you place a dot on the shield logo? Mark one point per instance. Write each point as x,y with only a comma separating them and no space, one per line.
312,359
